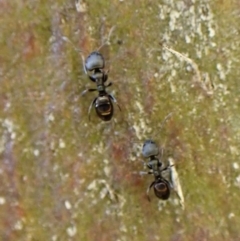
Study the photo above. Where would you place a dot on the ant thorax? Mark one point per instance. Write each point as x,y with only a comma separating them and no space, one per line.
155,165
98,75
101,88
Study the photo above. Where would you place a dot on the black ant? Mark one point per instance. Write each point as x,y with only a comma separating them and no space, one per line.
160,185
95,64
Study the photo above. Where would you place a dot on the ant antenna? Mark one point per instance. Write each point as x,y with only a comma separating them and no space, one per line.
165,119
160,128
66,39
163,123
108,37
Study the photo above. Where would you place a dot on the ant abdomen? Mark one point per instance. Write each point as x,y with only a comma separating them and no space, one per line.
104,108
162,189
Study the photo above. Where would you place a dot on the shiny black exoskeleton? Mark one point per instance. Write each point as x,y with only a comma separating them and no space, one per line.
94,67
160,185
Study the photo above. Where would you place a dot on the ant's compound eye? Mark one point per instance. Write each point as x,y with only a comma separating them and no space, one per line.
94,61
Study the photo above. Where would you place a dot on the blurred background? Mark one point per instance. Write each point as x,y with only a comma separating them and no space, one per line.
64,177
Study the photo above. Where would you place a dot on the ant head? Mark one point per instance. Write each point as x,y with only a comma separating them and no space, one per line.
94,61
150,148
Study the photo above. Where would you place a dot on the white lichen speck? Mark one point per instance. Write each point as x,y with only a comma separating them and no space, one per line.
36,152
18,225
235,165
50,117
67,205
2,200
61,144
71,231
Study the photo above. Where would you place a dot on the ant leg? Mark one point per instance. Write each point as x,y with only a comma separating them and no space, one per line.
84,92
90,107
111,96
87,90
109,84
145,173
167,167
92,79
149,188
